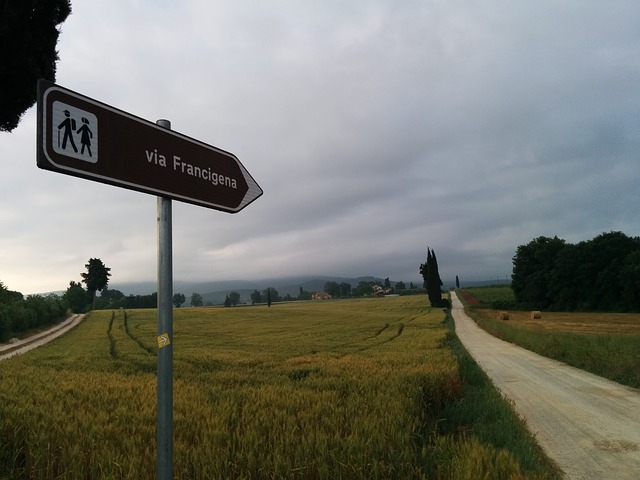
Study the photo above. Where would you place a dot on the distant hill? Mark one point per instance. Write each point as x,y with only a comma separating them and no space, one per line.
215,291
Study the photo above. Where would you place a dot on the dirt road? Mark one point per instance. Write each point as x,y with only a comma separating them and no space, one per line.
20,346
588,425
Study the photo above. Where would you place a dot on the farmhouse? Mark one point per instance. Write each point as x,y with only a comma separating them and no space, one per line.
320,296
380,291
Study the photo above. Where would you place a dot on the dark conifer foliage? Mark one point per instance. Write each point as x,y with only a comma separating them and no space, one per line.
96,277
28,38
432,281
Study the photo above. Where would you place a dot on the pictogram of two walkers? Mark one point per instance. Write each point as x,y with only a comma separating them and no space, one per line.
68,126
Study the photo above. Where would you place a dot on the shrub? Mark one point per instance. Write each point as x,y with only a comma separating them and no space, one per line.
5,320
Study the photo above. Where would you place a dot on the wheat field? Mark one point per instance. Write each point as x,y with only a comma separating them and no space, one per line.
316,390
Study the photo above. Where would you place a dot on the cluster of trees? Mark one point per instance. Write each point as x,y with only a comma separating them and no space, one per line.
232,299
268,295
600,274
96,278
116,299
337,290
18,314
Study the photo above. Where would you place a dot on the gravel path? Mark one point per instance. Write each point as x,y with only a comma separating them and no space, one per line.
21,346
588,425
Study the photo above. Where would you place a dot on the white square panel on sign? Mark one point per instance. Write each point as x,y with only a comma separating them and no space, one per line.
75,132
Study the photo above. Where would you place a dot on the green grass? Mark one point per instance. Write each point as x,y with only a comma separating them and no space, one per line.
595,342
482,412
353,389
497,296
612,356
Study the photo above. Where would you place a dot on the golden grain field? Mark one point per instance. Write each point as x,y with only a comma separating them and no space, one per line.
316,390
592,323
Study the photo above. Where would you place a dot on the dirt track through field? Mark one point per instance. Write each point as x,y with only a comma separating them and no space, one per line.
588,425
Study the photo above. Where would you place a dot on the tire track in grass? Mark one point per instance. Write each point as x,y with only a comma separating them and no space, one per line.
378,332
140,343
128,354
112,341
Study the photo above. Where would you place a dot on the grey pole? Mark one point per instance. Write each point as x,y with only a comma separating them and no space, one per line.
164,433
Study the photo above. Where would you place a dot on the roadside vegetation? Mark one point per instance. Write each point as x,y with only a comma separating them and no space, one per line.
352,389
19,315
602,274
606,344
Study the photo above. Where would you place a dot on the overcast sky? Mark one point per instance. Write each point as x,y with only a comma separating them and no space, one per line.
375,128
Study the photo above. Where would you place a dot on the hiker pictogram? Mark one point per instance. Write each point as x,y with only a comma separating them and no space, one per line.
75,132
68,126
85,135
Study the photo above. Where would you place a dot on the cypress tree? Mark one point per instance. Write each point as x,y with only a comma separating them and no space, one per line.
432,281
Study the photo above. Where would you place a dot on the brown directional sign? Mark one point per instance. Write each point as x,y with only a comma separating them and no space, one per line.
82,137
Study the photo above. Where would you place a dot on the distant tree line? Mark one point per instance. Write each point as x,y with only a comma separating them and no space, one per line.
97,278
337,290
602,274
18,314
333,288
367,288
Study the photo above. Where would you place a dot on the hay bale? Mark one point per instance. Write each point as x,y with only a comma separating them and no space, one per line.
536,315
503,316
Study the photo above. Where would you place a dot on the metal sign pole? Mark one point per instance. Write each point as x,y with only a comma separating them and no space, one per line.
129,152
164,433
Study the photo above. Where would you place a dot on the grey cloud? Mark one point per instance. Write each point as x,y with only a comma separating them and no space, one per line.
375,129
